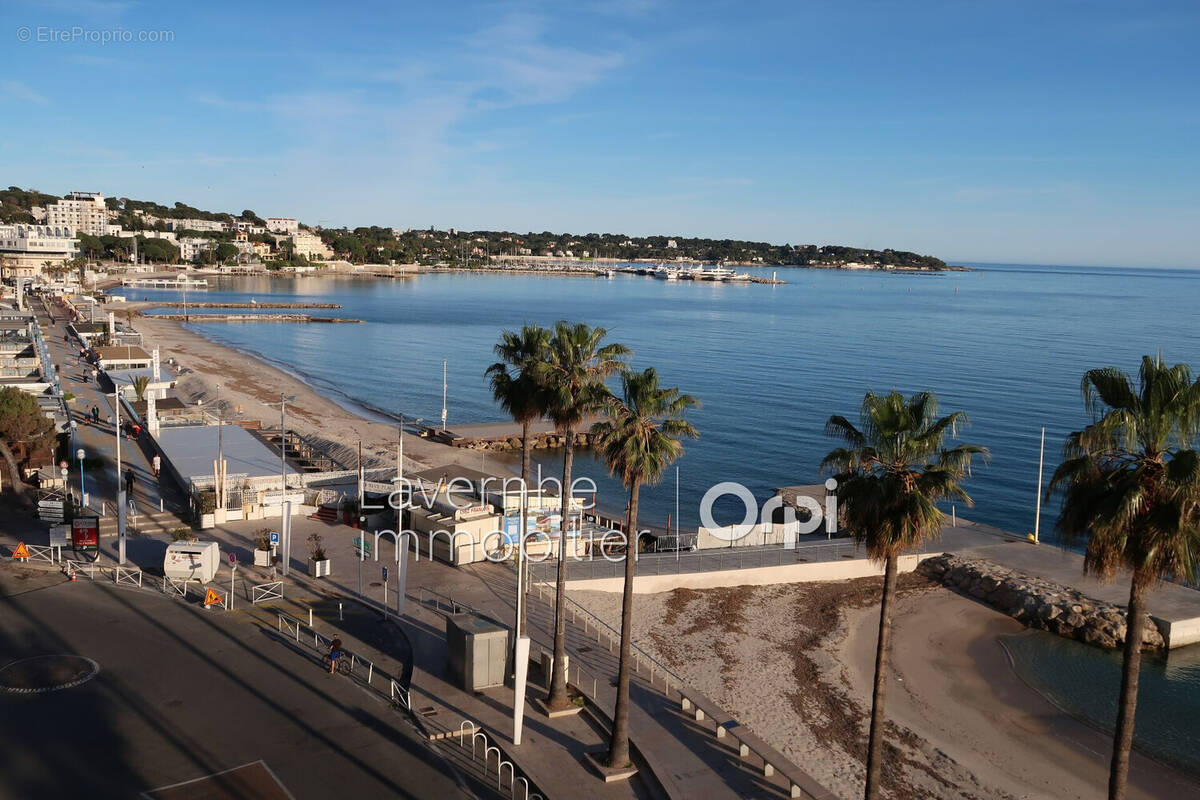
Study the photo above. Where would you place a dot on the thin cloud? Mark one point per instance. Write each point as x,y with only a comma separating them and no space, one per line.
20,91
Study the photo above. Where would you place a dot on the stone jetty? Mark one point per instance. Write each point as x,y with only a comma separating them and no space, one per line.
1038,603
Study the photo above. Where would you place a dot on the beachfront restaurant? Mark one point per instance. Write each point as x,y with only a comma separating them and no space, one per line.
125,381
123,357
253,479
461,514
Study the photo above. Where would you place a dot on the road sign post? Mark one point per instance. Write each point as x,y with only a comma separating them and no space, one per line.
385,592
232,569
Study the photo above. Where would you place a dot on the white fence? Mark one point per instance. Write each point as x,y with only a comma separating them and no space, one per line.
266,591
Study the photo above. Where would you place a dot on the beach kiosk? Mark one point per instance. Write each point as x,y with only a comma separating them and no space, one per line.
196,561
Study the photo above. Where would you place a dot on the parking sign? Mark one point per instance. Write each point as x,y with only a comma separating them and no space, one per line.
385,574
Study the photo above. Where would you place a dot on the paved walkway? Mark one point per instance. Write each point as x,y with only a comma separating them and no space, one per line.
100,441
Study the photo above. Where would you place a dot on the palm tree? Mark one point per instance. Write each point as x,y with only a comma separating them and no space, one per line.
1130,484
572,377
515,386
891,473
140,384
638,441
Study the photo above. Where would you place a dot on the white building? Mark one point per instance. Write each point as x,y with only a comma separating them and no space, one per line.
25,249
284,225
190,249
202,225
79,211
309,245
246,227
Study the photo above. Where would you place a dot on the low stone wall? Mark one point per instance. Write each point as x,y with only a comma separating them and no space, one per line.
1038,603
500,444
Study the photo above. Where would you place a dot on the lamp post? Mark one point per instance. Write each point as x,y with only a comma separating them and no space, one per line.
82,490
121,499
285,517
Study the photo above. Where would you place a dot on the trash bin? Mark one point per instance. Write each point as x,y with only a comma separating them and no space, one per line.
192,561
476,651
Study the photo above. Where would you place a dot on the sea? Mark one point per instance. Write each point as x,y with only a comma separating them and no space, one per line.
1007,344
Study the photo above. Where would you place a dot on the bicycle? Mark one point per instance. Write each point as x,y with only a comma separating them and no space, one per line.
343,663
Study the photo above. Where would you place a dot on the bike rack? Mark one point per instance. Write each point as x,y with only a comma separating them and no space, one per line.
266,591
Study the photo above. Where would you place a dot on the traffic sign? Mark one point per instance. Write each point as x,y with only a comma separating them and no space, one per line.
211,598
385,574
233,559
274,537
23,552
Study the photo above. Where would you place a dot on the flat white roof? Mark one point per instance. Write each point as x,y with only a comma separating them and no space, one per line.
193,449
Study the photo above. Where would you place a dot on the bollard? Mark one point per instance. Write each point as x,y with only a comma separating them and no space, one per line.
310,618
340,611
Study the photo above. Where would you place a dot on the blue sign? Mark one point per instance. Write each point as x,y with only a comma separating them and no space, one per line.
274,537
385,574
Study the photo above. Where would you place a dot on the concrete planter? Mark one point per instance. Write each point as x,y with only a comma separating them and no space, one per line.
262,558
318,569
208,521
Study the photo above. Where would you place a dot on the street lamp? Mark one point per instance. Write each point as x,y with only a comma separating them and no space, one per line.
285,517
82,492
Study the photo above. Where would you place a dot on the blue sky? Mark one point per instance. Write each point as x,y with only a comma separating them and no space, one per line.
1036,132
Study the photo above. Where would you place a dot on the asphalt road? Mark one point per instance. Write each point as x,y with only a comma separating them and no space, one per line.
184,693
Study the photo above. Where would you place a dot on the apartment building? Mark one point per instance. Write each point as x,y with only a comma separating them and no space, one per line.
79,211
26,249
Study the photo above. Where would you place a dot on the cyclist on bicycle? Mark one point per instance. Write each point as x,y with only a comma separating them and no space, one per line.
335,652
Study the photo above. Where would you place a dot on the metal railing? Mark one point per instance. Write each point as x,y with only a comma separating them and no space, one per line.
266,591
175,586
131,576
50,553
712,560
610,637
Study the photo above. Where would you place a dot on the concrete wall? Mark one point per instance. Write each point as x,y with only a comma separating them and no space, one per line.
845,569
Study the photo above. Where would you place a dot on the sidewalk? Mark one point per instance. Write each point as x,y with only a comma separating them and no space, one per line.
99,441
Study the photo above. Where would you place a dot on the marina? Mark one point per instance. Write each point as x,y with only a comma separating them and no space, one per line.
166,283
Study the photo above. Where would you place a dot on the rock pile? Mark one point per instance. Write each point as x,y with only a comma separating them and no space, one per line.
1038,603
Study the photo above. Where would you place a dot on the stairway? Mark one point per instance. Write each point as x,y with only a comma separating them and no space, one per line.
326,514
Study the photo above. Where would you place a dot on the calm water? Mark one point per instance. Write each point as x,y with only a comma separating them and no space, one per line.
1007,344
1086,682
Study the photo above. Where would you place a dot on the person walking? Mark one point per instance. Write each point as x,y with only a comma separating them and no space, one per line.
156,464
130,478
335,652
95,414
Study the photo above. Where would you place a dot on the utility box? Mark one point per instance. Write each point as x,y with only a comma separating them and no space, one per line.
476,652
192,561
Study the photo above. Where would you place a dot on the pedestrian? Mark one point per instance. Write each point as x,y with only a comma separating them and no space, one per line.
95,376
156,463
110,422
95,414
129,480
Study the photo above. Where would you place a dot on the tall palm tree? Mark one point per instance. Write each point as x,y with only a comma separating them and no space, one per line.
1130,484
891,473
516,388
572,377
140,384
638,441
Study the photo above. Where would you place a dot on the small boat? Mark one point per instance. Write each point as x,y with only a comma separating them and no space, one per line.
667,273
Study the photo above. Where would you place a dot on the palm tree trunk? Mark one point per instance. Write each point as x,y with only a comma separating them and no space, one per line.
558,700
875,741
618,747
1135,627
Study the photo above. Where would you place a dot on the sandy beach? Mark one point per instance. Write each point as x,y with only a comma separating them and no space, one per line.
248,384
962,724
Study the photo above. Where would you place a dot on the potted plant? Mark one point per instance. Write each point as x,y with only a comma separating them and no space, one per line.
350,513
318,562
206,506
262,547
